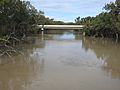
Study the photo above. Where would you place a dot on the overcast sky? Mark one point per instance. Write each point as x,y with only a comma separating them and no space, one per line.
68,10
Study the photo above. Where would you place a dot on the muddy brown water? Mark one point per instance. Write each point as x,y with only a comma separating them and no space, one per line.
63,61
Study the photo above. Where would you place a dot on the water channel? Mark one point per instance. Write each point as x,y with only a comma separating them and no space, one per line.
64,61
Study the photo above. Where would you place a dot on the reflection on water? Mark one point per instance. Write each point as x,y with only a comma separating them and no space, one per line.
17,73
65,61
107,50
65,36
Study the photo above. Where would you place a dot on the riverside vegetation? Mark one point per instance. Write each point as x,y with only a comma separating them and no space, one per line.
106,24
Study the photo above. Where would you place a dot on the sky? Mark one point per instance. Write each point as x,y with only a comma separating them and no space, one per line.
68,10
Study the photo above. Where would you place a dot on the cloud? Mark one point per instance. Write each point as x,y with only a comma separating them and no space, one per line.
70,7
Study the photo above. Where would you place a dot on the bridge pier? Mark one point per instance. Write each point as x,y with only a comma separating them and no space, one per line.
84,33
42,35
42,28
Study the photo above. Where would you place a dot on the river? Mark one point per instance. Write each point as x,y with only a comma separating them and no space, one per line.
64,61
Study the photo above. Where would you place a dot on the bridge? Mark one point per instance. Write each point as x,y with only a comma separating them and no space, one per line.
61,27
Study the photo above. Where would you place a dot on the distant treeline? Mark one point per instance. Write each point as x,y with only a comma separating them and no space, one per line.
106,24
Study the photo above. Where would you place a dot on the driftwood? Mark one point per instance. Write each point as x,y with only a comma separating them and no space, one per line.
7,45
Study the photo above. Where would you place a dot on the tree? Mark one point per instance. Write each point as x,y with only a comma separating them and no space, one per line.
106,24
77,20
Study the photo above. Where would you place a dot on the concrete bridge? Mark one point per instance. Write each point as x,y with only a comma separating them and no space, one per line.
61,27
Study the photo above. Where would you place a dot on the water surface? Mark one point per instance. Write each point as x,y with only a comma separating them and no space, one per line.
65,61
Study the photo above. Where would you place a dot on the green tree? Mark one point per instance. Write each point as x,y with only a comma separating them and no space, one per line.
106,24
77,20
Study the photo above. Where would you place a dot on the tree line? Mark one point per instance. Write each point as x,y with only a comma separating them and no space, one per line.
106,24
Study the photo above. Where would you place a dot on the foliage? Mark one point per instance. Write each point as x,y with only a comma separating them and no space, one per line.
106,24
19,18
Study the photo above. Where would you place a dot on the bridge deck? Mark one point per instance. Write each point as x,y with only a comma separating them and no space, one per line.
62,27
